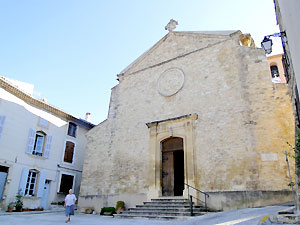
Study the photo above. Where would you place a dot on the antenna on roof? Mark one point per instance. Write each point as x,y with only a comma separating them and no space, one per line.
171,25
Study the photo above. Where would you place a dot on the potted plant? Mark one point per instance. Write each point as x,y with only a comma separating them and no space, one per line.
120,207
19,202
108,211
10,206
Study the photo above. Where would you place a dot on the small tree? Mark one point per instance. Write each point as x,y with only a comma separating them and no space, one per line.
10,206
296,156
19,202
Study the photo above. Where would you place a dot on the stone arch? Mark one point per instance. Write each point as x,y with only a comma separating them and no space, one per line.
180,127
172,160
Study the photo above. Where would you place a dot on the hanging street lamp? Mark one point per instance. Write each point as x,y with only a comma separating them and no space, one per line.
267,43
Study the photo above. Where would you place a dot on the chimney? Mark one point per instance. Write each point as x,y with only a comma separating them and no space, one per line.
88,117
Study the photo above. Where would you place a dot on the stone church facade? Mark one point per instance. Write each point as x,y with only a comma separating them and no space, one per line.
198,108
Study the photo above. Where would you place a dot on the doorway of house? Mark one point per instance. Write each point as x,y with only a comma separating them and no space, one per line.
44,199
172,167
3,176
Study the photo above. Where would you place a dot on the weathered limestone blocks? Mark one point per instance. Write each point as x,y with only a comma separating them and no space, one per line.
232,147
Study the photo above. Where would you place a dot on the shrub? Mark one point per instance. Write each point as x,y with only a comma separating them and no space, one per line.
120,207
120,204
10,206
109,211
19,201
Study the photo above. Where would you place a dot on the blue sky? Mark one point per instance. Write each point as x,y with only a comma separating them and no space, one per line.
72,50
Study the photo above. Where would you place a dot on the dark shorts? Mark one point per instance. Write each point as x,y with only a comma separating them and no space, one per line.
69,210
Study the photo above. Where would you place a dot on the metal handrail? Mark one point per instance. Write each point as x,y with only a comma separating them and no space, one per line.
197,189
191,197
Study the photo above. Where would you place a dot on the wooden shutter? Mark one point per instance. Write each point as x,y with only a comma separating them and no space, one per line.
23,180
2,120
30,141
69,152
48,146
41,184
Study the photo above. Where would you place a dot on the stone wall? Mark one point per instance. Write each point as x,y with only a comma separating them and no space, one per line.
242,126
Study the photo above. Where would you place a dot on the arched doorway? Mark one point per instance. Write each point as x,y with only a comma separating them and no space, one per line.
172,167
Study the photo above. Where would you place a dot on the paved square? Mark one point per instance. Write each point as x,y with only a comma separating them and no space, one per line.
78,219
249,216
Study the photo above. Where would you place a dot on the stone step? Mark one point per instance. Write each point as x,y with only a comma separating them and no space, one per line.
167,203
164,209
159,213
169,200
170,206
154,217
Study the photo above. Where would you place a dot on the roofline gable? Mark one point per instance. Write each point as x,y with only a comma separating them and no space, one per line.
157,44
145,54
40,104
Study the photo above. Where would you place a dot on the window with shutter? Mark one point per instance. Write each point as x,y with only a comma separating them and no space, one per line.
2,120
48,146
30,141
31,183
40,188
69,152
36,144
23,180
72,129
66,183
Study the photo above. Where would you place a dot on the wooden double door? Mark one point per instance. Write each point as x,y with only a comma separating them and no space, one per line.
172,167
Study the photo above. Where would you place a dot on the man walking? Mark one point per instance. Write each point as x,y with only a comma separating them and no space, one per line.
70,201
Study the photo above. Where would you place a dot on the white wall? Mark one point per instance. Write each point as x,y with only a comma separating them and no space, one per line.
20,117
290,22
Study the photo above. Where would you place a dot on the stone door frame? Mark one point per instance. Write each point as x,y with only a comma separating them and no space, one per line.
182,127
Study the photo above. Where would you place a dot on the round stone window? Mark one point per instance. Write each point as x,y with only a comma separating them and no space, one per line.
170,82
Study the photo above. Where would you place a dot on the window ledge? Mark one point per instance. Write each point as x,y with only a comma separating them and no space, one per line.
36,156
71,136
31,197
68,164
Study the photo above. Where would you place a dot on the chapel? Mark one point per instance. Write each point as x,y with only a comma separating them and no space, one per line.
197,109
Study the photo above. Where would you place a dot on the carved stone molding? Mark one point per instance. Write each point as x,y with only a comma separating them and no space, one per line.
170,82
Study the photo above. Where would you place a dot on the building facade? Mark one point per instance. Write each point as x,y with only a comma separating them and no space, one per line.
288,20
42,148
198,108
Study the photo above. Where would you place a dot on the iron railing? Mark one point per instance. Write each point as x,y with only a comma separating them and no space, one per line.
191,198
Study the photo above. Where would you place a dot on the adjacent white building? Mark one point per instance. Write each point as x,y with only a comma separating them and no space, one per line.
287,17
41,148
289,23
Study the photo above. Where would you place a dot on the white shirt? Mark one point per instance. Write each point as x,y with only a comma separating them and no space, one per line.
70,199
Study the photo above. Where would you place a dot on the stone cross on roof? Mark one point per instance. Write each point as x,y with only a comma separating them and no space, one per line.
171,25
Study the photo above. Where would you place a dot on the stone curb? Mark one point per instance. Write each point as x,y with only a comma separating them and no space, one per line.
31,212
268,220
285,219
